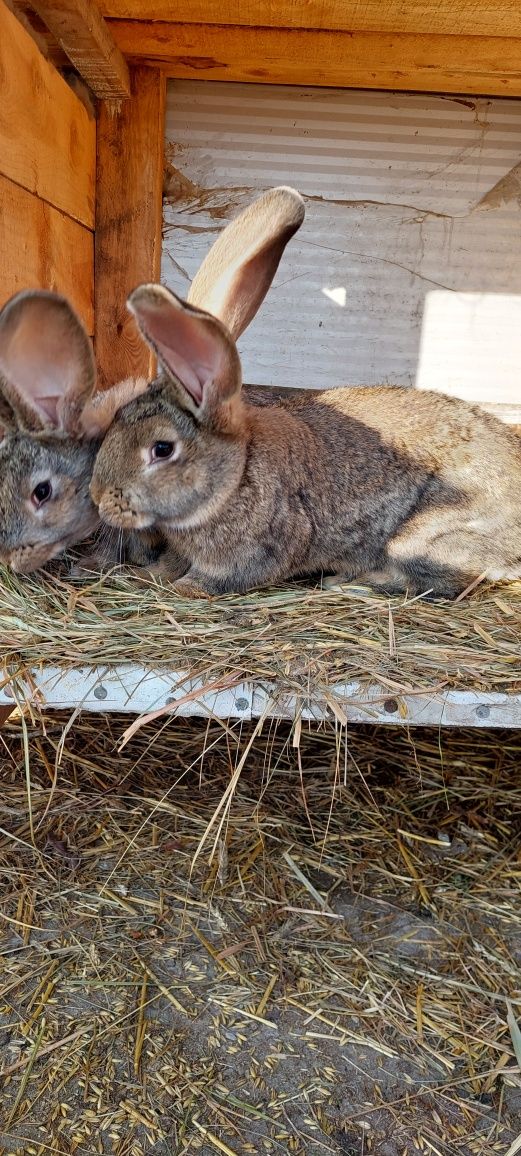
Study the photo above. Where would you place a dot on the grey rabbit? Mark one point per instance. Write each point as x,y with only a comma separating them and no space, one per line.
51,426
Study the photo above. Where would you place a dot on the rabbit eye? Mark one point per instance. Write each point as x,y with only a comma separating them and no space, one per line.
162,450
41,493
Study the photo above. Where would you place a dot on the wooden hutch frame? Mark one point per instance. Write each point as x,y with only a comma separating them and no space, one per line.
81,174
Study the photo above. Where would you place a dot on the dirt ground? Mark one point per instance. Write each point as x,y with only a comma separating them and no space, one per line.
328,968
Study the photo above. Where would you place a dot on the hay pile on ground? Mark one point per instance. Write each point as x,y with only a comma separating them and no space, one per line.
300,638
340,976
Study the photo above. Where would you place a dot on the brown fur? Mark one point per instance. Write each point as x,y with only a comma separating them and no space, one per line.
405,490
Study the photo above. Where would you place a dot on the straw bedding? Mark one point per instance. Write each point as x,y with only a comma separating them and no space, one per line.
335,970
302,638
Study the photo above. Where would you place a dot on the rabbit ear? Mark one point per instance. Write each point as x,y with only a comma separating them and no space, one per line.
7,418
235,276
47,369
193,347
101,410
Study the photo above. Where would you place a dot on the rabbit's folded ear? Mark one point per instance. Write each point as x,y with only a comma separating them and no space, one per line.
101,410
8,422
47,369
193,347
235,276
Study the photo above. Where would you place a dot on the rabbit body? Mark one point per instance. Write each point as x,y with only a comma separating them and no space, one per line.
401,489
404,491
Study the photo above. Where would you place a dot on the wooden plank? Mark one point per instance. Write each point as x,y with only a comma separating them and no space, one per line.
509,414
426,63
128,221
464,17
133,689
83,34
47,139
43,248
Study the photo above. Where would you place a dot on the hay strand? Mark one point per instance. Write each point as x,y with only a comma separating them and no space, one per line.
301,639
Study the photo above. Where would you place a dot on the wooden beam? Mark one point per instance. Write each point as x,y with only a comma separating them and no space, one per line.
460,64
83,34
47,139
449,17
128,221
41,248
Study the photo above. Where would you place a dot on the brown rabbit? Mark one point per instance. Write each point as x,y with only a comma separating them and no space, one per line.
400,489
51,426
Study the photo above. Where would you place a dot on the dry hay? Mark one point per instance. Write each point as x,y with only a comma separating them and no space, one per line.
302,639
341,976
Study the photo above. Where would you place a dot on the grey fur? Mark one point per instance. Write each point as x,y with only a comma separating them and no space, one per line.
47,382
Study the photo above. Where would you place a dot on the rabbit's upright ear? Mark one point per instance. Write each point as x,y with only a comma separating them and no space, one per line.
235,276
193,347
47,370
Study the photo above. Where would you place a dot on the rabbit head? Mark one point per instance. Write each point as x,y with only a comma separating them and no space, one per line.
50,429
175,454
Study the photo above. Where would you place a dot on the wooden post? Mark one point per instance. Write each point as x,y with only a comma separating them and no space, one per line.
130,155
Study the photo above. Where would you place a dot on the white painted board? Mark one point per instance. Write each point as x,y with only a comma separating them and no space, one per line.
134,689
405,194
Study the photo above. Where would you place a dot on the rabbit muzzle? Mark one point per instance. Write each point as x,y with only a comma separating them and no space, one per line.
31,556
116,508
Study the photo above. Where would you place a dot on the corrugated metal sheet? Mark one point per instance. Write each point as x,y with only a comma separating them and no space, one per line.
405,194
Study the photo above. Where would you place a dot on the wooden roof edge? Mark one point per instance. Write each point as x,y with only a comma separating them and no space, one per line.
86,39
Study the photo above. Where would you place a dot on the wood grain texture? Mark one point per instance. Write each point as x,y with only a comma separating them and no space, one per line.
83,34
47,139
450,17
128,221
43,248
423,63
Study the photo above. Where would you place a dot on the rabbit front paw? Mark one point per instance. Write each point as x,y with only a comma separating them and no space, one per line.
191,586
